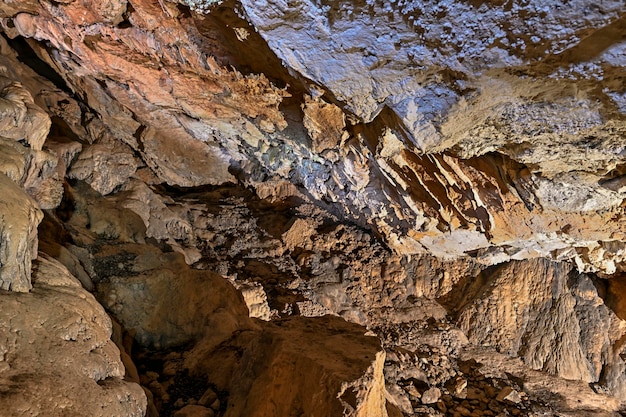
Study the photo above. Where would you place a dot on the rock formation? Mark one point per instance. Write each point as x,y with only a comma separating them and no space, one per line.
359,208
57,354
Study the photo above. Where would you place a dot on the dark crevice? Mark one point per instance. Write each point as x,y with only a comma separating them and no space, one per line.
137,135
27,56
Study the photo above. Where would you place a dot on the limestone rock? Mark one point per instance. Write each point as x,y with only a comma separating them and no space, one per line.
509,394
433,138
331,350
389,57
78,368
535,317
12,7
178,159
20,217
256,300
104,167
164,218
35,171
417,167
163,301
325,123
21,118
431,396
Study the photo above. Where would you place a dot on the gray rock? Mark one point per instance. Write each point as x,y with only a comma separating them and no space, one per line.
431,396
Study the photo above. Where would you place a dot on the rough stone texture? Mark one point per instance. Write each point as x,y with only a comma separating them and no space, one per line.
396,124
20,118
103,167
345,271
321,366
256,300
19,218
166,305
393,58
533,310
57,355
448,174
163,302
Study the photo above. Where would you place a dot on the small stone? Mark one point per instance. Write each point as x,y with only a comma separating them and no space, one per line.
170,369
208,397
194,411
516,412
431,396
463,411
441,406
216,405
179,403
458,388
413,392
509,394
152,376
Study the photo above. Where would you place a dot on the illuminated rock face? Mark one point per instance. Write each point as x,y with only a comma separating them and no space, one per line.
449,128
450,175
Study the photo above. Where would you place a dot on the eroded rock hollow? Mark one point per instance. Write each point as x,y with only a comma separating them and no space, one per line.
313,207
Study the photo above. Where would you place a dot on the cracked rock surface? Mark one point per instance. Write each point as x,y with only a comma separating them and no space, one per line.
313,207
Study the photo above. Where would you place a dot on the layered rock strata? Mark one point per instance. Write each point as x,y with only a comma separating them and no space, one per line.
448,175
444,140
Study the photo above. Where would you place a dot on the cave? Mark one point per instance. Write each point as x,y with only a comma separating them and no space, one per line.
312,208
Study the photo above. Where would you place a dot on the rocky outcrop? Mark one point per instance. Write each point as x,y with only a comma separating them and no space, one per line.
321,367
533,310
307,264
442,139
56,348
150,286
447,175
21,119
57,354
169,307
20,216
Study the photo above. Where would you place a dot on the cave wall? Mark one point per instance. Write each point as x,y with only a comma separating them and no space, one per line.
445,172
502,137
